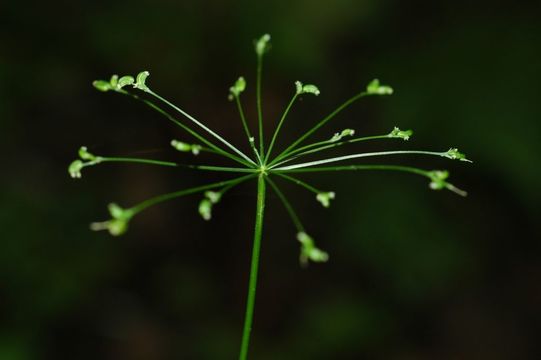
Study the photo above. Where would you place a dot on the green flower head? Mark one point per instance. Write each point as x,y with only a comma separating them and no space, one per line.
309,251
118,224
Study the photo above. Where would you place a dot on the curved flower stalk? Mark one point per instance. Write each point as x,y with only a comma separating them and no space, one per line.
262,165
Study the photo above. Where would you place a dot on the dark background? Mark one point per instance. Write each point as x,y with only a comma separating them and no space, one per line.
413,273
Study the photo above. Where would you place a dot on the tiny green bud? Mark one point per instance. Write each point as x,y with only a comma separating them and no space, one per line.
185,147
310,89
325,198
213,196
375,88
181,146
75,168
118,225
102,85
338,136
114,81
454,154
309,251
205,209
85,155
262,45
125,81
317,255
205,206
298,87
140,81
196,149
116,211
306,89
305,239
115,227
402,134
237,88
438,178
438,181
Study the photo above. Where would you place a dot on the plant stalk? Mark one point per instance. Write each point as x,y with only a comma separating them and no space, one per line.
258,101
248,320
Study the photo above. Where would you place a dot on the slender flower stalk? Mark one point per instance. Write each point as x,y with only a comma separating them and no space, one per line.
204,127
88,159
262,46
261,165
291,102
319,125
356,156
396,133
254,267
299,90
234,93
292,214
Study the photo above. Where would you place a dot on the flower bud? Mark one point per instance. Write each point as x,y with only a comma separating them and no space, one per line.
325,198
309,252
375,88
402,134
306,89
262,45
140,81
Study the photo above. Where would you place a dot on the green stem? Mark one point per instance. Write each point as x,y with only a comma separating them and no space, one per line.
408,169
161,198
101,159
248,320
246,128
323,145
299,182
187,129
280,126
287,205
243,117
356,156
321,123
207,149
356,168
204,127
258,100
221,168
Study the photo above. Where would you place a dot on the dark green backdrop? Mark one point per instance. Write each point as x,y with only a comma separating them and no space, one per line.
413,274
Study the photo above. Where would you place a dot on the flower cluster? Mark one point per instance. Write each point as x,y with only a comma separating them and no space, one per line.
260,163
